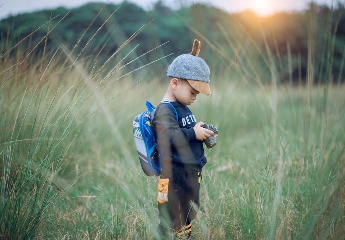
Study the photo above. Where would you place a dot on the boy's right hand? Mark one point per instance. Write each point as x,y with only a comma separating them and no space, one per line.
200,132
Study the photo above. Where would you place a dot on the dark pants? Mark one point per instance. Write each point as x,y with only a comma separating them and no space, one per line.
183,201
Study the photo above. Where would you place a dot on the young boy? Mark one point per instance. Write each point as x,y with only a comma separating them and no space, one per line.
180,144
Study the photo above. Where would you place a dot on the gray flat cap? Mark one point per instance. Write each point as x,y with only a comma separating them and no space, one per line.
190,67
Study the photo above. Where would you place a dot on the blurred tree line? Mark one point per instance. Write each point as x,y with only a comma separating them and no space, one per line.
295,43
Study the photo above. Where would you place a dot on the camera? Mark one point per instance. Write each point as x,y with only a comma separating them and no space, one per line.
210,141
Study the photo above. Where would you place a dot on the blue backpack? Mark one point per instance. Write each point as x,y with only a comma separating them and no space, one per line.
145,140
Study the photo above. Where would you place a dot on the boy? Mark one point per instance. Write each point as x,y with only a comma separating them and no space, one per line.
180,144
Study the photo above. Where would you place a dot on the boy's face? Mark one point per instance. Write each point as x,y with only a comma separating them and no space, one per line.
184,92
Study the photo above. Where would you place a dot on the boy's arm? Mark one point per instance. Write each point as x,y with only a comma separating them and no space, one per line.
164,122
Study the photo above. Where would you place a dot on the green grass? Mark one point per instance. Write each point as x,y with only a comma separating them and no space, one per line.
70,173
69,169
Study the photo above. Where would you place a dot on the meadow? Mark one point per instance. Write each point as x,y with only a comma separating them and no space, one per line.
69,169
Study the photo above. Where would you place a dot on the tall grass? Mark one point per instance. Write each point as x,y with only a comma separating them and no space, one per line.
290,188
48,100
69,168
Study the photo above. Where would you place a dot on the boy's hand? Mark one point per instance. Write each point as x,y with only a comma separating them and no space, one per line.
200,132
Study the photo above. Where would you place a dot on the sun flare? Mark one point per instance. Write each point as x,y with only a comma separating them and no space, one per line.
262,7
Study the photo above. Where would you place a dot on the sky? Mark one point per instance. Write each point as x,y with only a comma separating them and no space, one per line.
261,7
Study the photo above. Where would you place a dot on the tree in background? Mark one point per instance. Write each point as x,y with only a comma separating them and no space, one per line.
229,39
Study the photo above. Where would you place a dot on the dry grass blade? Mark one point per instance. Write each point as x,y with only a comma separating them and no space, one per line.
120,48
30,35
33,49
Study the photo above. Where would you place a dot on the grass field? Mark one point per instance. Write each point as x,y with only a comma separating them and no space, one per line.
69,169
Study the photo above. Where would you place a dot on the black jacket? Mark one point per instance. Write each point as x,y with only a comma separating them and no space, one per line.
177,143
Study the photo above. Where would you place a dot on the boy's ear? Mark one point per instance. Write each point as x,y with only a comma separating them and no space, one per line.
174,82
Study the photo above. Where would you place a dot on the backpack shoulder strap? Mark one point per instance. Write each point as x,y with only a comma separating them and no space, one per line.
168,102
149,106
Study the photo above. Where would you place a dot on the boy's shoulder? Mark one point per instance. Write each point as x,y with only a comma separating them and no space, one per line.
175,108
165,105
165,108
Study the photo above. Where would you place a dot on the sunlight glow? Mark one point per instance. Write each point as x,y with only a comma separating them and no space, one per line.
262,7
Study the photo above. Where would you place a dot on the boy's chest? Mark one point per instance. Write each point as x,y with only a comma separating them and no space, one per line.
187,120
